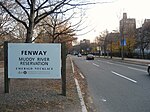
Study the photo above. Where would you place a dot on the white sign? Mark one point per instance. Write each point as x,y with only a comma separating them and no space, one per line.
28,60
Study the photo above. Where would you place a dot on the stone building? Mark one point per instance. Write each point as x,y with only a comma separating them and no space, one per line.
146,23
127,35
127,26
84,41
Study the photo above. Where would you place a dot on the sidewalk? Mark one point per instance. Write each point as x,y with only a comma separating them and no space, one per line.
130,60
140,61
40,95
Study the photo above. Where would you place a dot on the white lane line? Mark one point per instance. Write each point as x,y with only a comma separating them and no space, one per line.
137,69
104,100
102,61
79,90
119,65
112,63
95,65
81,75
127,67
80,96
109,63
124,77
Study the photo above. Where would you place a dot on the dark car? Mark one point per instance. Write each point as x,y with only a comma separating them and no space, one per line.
148,69
90,57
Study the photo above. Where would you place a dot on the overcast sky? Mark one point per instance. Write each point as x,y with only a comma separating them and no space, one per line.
107,16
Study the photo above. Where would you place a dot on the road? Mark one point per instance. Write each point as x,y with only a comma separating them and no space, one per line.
116,86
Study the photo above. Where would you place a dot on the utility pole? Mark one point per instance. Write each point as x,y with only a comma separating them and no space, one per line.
122,42
122,35
99,50
111,48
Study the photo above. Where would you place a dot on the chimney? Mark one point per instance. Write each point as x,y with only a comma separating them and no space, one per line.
124,15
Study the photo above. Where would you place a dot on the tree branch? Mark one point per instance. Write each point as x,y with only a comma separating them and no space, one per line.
29,3
22,7
41,5
13,15
42,16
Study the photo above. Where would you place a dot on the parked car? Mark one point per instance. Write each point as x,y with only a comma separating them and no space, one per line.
90,57
148,69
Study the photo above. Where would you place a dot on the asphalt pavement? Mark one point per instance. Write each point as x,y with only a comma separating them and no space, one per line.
117,85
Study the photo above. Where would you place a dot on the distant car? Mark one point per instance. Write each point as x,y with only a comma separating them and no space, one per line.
90,57
148,69
79,55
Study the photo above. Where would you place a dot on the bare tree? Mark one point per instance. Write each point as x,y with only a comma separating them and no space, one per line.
36,10
102,41
143,38
56,28
8,27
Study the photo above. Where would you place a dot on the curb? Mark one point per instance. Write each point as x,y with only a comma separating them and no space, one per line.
79,90
132,61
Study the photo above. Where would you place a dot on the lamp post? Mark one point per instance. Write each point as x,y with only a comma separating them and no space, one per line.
111,49
122,42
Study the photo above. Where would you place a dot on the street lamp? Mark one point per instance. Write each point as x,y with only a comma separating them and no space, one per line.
111,49
122,42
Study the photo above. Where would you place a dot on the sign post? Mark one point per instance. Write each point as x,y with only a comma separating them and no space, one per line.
33,60
6,79
63,69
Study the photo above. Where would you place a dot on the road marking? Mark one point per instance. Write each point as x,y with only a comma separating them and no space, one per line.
137,69
95,64
126,66
72,66
109,63
104,100
112,63
102,61
80,96
119,65
81,75
79,90
124,77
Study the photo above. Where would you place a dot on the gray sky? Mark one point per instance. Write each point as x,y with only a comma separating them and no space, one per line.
106,16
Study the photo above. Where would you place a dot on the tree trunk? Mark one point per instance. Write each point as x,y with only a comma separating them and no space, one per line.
30,29
29,35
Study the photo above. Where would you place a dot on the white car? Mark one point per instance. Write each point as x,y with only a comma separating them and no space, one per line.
79,55
148,69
